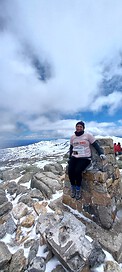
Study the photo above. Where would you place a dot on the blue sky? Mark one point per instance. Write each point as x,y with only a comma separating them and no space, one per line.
60,62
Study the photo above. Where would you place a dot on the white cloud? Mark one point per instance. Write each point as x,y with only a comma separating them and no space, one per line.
76,38
65,128
112,101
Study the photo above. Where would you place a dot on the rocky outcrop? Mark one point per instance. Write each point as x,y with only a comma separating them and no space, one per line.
55,168
101,193
66,238
47,183
32,220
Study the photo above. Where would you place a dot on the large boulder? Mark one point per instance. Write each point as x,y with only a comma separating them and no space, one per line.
56,168
47,182
5,255
18,261
65,236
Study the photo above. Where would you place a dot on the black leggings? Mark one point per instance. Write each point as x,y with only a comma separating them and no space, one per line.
75,169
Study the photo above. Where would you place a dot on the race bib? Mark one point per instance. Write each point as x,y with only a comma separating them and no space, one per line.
80,151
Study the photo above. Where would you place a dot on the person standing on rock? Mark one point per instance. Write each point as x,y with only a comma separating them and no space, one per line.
80,157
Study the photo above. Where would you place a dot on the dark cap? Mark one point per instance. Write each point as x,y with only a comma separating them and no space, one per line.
81,123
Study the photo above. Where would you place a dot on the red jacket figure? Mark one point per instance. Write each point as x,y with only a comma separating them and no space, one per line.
119,149
115,148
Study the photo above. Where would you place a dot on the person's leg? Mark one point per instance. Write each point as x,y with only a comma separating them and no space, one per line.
71,170
80,167
71,174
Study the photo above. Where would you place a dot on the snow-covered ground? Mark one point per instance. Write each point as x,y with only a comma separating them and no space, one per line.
43,148
54,261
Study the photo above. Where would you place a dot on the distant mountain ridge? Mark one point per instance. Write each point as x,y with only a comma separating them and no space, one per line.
26,142
22,142
40,149
15,143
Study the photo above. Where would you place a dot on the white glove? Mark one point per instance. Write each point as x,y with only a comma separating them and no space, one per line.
102,157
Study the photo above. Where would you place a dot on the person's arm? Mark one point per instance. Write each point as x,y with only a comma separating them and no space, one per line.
70,151
99,150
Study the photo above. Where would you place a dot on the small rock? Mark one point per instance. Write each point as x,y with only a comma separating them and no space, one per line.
10,226
5,208
3,199
37,265
111,266
59,268
33,251
28,221
29,243
12,187
20,210
2,230
40,207
97,255
26,200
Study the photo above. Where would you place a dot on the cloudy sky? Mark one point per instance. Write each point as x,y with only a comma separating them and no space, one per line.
60,62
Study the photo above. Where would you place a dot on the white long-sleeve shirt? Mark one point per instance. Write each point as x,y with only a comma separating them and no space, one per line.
81,145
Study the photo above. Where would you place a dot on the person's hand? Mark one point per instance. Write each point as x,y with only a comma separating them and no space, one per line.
103,157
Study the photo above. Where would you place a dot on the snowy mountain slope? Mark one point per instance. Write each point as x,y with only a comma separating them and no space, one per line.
40,149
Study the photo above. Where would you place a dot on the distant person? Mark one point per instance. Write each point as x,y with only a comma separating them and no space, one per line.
80,157
119,149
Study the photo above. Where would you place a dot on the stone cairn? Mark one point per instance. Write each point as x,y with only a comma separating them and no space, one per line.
100,188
